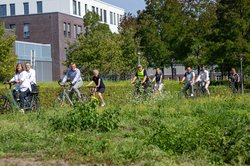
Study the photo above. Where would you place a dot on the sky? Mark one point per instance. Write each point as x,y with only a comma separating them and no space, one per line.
129,5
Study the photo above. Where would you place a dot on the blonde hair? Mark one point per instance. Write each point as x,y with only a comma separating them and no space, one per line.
96,72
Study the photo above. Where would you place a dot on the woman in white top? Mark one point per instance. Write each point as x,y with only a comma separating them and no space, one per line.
22,84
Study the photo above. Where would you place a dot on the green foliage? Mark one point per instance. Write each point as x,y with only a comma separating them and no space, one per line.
7,58
223,134
231,35
84,117
113,54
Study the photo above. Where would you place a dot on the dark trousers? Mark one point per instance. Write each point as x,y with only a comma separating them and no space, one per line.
22,97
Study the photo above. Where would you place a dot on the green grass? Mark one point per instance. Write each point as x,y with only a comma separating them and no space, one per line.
158,131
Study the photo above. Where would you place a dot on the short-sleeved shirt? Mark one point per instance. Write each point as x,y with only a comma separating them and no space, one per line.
158,78
96,79
144,74
189,76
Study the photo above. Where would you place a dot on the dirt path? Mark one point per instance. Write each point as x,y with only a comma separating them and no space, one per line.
32,162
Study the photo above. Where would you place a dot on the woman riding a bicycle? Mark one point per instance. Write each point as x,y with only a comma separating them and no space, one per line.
158,81
22,85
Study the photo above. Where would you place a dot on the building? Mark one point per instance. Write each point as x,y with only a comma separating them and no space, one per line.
55,22
39,55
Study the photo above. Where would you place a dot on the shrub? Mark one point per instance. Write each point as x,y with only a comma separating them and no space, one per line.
84,117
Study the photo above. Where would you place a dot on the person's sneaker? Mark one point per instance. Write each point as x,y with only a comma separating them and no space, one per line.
103,104
22,111
192,95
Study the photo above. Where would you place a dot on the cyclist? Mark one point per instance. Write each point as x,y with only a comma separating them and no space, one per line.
22,85
31,73
100,87
189,76
203,78
234,80
76,82
142,76
158,80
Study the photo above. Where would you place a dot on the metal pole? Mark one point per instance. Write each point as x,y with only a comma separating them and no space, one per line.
139,53
241,74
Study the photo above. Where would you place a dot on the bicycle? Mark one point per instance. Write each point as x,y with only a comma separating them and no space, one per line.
9,102
199,89
234,87
183,93
63,98
87,97
140,91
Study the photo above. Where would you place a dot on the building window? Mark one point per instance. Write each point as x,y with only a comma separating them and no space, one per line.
79,8
75,31
79,29
86,8
69,30
74,7
39,7
114,19
111,17
26,8
3,11
101,14
12,10
65,29
12,26
26,30
105,16
93,9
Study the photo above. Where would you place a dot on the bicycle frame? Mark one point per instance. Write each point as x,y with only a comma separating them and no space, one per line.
64,96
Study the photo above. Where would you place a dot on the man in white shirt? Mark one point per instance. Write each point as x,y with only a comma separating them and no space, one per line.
204,79
31,75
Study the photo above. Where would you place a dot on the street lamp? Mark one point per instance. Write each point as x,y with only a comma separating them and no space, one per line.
241,73
139,55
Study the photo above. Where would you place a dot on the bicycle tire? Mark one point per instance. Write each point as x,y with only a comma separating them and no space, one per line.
35,104
4,104
181,95
58,102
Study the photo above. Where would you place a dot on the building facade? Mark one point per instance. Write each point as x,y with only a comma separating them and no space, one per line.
39,55
55,22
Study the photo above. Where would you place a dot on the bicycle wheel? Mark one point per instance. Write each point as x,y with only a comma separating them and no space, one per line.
58,102
181,95
35,105
4,104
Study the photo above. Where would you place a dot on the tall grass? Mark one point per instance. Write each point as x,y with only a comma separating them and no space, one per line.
156,131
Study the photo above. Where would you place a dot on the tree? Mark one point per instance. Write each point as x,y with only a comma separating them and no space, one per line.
130,44
98,48
200,19
232,33
163,33
7,58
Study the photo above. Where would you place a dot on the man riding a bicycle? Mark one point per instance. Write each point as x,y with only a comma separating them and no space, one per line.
76,82
204,80
142,76
189,76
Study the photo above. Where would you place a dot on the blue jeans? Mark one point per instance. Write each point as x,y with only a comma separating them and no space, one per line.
22,97
188,86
